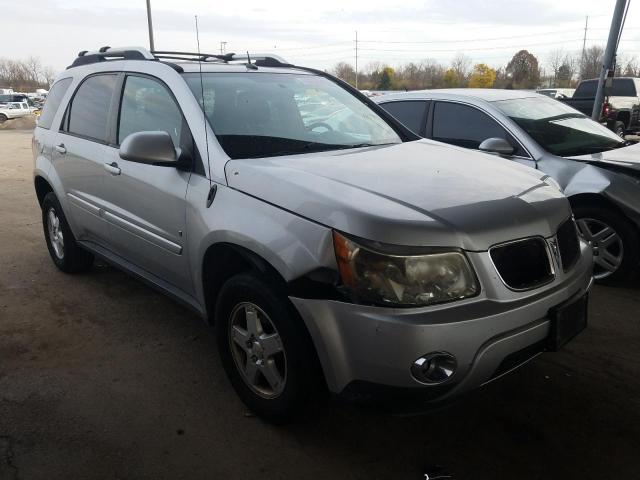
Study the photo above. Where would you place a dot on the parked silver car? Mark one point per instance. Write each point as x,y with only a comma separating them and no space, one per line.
330,245
597,170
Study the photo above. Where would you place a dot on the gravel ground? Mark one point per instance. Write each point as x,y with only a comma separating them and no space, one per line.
101,377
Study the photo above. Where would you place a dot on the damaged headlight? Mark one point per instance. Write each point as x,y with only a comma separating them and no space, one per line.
403,280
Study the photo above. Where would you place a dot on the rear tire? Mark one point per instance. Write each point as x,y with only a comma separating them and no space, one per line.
276,386
619,129
3,118
67,255
620,244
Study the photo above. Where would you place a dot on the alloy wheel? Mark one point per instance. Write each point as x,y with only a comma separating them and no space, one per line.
56,238
608,249
257,350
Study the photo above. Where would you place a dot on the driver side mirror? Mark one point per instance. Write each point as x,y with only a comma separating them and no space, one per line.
497,145
154,148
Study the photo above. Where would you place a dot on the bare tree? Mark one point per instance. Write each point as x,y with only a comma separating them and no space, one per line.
461,65
25,75
556,59
346,72
592,62
48,75
627,66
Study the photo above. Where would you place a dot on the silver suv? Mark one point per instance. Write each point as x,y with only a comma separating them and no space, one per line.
332,247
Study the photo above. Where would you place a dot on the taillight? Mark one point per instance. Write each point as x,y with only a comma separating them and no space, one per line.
606,109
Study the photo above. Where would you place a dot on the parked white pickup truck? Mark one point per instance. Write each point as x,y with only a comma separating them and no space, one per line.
13,110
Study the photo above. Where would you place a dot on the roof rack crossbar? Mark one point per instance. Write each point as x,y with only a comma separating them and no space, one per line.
103,54
180,57
187,55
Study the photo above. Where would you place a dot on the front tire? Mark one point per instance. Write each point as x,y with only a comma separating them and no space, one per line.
619,129
264,347
3,118
614,240
67,255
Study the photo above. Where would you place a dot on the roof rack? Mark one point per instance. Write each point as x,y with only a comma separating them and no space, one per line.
139,53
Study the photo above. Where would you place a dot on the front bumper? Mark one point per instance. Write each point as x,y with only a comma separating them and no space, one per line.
365,344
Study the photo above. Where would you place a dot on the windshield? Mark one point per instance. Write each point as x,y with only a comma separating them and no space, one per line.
558,128
271,114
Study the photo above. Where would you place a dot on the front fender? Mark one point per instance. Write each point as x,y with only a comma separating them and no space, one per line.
291,244
618,188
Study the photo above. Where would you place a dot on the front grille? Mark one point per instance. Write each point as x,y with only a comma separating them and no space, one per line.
568,244
523,264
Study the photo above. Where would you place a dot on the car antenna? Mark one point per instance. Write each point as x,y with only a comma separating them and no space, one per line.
204,118
249,64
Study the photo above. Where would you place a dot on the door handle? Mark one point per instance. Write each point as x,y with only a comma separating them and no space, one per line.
60,148
112,168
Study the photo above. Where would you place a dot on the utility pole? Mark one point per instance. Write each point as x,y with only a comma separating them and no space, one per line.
356,59
584,45
609,55
150,22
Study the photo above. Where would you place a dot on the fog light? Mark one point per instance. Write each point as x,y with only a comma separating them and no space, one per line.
434,368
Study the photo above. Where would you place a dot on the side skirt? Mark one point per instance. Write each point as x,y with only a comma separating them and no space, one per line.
146,277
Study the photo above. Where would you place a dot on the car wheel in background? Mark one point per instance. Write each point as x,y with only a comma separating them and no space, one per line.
65,252
3,118
264,347
619,129
614,240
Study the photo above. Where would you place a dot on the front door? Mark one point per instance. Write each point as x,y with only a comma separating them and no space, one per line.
467,126
146,205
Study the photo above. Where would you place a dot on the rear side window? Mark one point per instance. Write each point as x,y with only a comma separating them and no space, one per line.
53,102
412,114
623,87
89,110
467,127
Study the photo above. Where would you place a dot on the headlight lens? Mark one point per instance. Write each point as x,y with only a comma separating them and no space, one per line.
403,280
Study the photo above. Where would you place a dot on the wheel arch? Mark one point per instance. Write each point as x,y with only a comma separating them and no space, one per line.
624,117
596,200
222,260
599,200
42,187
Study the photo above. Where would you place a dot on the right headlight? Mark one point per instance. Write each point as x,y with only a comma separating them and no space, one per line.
403,280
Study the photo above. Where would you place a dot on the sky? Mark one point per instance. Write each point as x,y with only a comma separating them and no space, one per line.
316,34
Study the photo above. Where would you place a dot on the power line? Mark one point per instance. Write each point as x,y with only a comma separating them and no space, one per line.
470,39
476,49
327,45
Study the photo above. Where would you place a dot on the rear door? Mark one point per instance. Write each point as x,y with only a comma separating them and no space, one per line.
467,126
80,151
146,207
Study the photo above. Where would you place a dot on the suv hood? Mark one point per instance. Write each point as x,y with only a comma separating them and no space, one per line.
415,193
625,157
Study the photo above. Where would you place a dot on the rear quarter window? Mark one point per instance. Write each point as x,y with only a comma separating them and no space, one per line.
586,89
412,113
51,105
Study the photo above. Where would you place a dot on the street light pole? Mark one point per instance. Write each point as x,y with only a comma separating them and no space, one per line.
609,55
150,22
